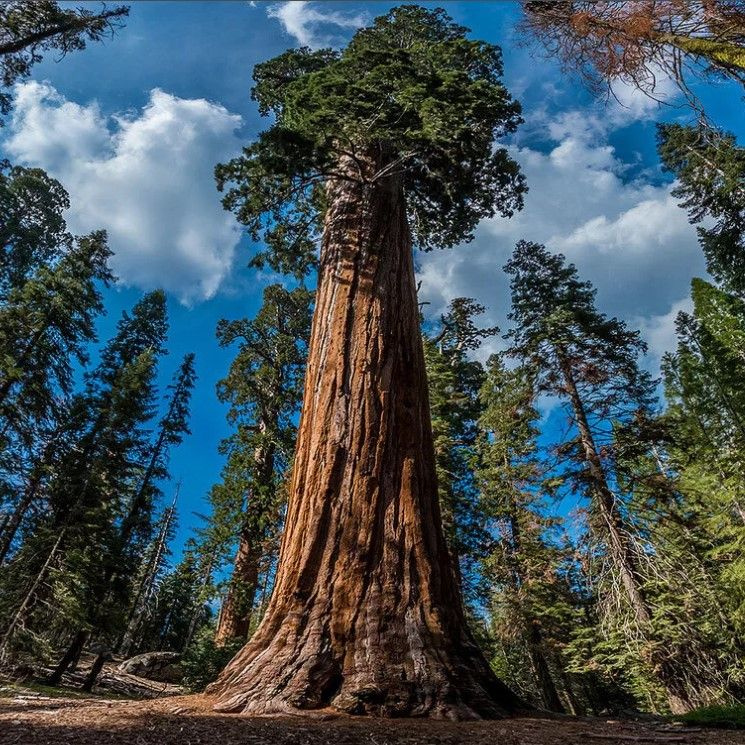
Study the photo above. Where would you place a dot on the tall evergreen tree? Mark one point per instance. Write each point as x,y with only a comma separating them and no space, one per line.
590,362
108,444
388,143
709,168
45,326
263,389
529,597
454,382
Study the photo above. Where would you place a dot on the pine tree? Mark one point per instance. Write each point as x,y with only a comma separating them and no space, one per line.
709,168
523,568
263,389
454,382
706,411
108,439
29,28
387,144
591,363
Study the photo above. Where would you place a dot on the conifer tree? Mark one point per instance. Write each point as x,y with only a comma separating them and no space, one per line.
29,28
591,363
709,168
705,416
263,389
45,327
454,382
109,440
386,144
528,594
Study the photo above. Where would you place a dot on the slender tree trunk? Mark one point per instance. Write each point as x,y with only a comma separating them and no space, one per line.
95,671
206,579
235,614
534,635
20,614
621,550
365,616
148,582
29,494
72,655
549,694
14,522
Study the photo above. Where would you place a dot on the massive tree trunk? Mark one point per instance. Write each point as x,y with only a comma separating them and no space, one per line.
365,616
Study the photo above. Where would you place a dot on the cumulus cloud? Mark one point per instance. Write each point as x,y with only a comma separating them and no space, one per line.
629,237
313,25
145,177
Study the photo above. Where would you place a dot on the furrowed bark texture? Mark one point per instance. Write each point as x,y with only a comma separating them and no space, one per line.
365,616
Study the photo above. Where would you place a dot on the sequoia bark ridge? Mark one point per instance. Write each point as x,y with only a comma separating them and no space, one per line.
365,616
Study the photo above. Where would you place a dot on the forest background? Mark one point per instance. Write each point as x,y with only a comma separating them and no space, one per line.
135,146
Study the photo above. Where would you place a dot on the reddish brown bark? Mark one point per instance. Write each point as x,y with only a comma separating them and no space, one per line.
235,614
365,616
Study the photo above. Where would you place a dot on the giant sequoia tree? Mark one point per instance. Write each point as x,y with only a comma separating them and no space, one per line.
381,147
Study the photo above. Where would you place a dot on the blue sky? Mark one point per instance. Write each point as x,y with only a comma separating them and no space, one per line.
134,127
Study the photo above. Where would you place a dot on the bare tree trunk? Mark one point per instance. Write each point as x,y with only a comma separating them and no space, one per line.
95,671
621,549
198,610
365,616
546,684
148,581
71,656
13,523
15,519
234,620
235,614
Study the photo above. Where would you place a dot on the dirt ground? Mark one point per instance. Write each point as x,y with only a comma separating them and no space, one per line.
189,720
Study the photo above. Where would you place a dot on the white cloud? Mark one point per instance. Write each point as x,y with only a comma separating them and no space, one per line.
145,177
659,331
314,26
629,237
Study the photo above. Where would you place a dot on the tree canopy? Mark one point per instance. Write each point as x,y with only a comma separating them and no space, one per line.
411,86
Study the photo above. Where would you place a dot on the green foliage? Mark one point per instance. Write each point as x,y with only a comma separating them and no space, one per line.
29,28
727,717
263,389
454,381
204,660
710,170
412,87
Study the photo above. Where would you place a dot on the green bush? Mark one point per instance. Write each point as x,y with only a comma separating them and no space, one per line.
729,717
203,661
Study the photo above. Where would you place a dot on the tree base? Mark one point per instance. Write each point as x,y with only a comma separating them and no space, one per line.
275,681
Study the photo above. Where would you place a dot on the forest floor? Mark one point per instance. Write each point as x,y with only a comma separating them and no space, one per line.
189,720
